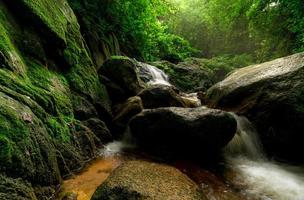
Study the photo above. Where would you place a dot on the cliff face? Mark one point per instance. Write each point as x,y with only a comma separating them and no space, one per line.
49,94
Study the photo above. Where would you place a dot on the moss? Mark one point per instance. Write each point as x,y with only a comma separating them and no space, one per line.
9,57
38,132
12,189
120,58
51,85
52,15
60,128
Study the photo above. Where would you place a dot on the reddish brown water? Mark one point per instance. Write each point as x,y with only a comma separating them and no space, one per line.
85,184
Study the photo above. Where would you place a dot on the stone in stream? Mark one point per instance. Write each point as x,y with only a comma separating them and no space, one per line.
141,180
271,95
161,96
183,131
125,112
123,72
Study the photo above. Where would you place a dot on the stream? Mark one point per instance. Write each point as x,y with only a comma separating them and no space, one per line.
255,175
248,174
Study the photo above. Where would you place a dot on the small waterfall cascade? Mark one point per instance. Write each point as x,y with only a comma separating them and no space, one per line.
154,75
246,141
256,175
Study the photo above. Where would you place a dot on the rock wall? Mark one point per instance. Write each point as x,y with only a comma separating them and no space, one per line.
49,92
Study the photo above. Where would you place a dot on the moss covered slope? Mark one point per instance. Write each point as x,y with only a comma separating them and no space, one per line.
47,78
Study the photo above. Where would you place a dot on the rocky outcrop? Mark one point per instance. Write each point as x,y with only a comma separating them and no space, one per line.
123,72
12,189
160,96
183,131
271,96
187,76
48,86
143,180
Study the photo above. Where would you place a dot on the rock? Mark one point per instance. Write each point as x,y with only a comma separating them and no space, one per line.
125,112
70,196
271,95
100,129
144,180
187,75
123,72
160,96
116,93
183,131
82,108
191,100
12,189
24,145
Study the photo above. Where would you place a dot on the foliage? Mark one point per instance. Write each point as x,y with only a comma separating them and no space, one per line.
278,25
138,26
263,28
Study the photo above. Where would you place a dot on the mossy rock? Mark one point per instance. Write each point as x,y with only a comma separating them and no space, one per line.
15,189
43,63
60,33
123,71
26,148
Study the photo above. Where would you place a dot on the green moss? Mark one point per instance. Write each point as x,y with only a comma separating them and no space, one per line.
54,15
60,128
9,56
120,58
13,189
38,131
52,85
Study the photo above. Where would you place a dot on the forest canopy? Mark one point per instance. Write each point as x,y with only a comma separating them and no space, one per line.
262,28
176,29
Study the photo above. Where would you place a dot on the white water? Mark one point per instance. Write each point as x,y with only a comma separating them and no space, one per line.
258,177
158,76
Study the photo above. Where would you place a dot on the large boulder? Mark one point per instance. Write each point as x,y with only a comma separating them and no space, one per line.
271,95
183,131
161,96
139,180
123,71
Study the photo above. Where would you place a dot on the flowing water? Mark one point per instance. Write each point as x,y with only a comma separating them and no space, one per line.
85,184
250,174
156,76
256,176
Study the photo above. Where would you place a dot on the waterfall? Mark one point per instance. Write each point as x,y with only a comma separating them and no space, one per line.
246,141
154,76
256,175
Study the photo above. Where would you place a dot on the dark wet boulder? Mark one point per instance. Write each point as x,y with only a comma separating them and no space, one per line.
271,95
124,112
140,180
116,93
183,131
123,72
161,96
100,129
82,108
